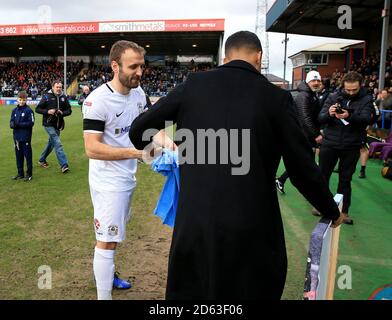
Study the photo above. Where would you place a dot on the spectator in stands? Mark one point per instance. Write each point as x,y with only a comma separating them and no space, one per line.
22,122
54,106
384,102
83,96
344,133
34,91
157,80
35,77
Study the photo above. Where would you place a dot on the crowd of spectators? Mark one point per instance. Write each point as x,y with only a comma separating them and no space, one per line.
369,68
156,81
34,77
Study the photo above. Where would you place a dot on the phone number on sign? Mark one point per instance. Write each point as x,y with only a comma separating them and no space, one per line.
10,30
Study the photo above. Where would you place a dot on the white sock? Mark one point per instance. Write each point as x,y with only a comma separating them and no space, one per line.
104,272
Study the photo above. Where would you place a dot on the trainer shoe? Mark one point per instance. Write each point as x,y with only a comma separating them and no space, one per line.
120,283
362,175
28,178
43,164
64,168
279,186
18,177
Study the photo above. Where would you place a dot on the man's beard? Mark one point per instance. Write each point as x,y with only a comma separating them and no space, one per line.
315,89
127,82
350,96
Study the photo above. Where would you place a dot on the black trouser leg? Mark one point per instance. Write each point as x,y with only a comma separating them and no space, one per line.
28,154
19,157
283,177
347,165
327,161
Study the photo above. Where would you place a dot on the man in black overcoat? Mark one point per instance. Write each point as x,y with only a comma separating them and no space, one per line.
228,240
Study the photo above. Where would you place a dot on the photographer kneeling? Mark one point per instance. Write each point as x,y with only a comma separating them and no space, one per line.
345,116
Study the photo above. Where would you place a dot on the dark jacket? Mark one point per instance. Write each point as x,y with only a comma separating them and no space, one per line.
340,136
308,107
323,96
22,121
81,99
228,239
51,101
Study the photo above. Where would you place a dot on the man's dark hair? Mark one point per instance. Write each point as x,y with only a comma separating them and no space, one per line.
56,81
243,40
352,76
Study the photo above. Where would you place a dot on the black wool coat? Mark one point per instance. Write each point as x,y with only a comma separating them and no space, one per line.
228,240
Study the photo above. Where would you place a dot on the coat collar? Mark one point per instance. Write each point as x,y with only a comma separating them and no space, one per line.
241,64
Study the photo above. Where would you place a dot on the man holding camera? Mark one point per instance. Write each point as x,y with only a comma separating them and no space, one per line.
54,106
345,116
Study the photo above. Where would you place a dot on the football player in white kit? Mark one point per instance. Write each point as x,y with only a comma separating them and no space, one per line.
108,113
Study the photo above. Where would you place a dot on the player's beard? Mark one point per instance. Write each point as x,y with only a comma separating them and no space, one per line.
128,82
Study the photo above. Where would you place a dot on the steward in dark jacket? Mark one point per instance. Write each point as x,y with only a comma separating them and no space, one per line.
54,106
59,103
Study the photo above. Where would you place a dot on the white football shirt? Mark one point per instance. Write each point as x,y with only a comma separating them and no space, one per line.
111,113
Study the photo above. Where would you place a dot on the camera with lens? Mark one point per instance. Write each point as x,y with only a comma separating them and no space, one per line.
339,108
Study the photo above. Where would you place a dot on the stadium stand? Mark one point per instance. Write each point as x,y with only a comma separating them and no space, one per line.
33,77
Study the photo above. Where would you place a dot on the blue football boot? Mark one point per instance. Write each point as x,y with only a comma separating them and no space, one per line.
120,283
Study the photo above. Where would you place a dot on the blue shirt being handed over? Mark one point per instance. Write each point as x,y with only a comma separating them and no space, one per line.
167,165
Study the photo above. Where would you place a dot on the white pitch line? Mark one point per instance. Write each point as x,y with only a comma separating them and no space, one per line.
364,260
297,229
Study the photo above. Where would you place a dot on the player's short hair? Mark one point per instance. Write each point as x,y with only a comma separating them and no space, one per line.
56,81
119,47
352,76
22,95
243,40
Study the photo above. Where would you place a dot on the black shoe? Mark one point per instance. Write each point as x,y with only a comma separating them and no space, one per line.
362,175
28,178
65,169
18,177
347,219
279,186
